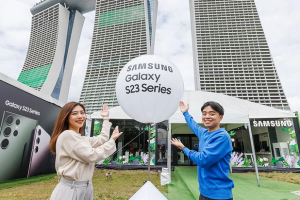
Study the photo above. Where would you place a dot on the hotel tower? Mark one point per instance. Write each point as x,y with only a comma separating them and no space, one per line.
123,30
231,53
55,31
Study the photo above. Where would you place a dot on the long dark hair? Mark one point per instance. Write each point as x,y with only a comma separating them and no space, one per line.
62,123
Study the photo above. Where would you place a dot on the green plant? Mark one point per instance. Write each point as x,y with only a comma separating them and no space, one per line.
231,133
142,161
246,163
294,147
293,135
117,159
289,130
152,146
260,161
106,161
153,160
131,159
274,161
97,129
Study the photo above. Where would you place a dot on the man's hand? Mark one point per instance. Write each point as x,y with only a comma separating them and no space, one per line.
116,133
183,107
105,111
177,143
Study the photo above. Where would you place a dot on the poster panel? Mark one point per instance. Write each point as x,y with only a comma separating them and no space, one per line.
26,124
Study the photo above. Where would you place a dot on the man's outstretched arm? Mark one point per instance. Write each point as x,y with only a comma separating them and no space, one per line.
211,154
189,119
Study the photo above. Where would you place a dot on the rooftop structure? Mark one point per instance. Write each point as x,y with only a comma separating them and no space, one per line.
82,6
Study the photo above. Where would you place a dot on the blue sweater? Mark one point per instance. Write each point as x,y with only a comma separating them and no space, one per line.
212,158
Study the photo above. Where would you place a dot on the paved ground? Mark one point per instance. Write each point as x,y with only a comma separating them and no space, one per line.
185,187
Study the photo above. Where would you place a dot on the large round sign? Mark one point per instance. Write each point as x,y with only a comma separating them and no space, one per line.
149,89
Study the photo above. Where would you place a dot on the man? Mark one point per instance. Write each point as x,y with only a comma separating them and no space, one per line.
214,152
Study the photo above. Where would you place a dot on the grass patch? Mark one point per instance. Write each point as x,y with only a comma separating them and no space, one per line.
282,176
246,188
25,181
124,184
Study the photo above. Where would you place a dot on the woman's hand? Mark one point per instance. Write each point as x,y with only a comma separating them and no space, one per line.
116,133
105,111
177,143
183,107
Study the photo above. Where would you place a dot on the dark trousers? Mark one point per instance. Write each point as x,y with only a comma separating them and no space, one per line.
201,197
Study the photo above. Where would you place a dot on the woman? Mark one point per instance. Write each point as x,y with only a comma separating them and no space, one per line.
75,154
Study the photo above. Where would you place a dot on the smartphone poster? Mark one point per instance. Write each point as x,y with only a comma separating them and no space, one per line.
26,125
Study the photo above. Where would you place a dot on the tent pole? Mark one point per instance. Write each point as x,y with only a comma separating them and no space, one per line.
253,152
149,158
169,149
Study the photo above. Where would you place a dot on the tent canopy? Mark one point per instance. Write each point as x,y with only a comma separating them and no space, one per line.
254,110
237,111
231,116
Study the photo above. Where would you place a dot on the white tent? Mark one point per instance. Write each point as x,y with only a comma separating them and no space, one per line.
236,110
237,113
231,116
254,110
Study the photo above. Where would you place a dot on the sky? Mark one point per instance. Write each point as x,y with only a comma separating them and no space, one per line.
280,20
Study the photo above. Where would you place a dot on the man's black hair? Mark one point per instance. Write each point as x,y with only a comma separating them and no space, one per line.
216,106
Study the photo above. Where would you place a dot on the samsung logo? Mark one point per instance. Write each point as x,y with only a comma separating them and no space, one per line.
272,123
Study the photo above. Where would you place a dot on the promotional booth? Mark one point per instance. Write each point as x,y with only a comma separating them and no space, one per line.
270,133
27,119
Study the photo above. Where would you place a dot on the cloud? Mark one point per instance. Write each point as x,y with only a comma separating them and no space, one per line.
281,25
294,104
15,23
173,39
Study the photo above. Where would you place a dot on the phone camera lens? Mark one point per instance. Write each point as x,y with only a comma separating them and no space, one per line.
39,132
38,140
4,143
9,120
7,131
17,121
16,133
36,149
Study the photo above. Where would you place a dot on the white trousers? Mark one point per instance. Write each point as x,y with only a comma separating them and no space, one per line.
68,189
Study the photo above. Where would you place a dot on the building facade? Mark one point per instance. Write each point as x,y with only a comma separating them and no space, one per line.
55,33
123,30
231,53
